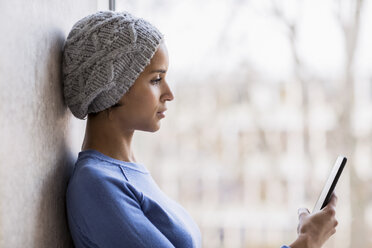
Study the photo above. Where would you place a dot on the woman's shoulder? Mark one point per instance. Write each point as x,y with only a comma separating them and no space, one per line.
93,169
94,179
93,175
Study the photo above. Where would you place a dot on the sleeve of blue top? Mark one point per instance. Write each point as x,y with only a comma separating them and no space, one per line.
284,246
110,215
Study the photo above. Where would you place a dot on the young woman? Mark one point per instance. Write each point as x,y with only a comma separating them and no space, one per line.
114,68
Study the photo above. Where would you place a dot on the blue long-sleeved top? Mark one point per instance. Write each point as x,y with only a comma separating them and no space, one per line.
112,203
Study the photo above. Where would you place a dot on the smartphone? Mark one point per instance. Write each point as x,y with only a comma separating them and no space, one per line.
330,185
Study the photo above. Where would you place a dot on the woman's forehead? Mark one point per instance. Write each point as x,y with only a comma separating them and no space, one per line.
159,62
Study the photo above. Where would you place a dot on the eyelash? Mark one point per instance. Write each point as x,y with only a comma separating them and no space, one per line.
156,81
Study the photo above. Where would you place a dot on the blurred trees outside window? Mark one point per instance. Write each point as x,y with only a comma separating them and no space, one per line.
267,95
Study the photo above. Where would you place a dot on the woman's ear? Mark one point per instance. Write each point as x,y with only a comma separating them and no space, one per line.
110,109
109,113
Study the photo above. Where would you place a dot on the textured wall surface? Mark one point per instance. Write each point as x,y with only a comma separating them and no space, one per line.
39,139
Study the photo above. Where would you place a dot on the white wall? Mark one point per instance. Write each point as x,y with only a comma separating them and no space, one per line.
39,138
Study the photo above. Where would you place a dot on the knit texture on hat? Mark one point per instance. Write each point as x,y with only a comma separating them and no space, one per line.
103,55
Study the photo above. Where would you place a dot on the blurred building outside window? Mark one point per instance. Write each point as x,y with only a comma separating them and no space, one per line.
267,95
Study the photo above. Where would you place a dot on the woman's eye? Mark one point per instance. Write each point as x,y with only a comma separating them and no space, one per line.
156,81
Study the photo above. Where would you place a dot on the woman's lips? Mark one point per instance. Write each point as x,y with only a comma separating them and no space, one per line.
160,114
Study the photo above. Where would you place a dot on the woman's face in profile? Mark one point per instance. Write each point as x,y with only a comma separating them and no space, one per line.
143,106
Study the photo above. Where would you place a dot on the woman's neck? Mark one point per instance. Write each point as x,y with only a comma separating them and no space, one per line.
108,140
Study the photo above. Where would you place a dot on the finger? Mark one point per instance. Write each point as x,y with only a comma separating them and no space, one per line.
302,212
333,200
335,223
334,195
329,210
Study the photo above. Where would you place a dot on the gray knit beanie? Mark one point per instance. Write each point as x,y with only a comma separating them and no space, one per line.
103,55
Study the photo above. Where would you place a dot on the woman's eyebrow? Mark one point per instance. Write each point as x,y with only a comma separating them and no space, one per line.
158,71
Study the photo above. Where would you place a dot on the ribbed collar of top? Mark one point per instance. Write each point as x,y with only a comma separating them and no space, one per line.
101,156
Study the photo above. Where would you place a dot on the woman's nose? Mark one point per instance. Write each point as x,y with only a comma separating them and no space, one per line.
168,94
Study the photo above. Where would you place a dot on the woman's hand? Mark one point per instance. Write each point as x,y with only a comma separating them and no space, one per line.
315,229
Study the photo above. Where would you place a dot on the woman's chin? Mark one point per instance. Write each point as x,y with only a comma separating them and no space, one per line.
152,129
156,128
